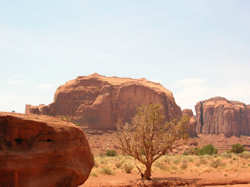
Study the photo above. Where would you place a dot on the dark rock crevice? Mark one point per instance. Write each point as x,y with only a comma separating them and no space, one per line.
201,117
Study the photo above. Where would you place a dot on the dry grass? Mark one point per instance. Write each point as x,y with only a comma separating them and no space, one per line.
173,164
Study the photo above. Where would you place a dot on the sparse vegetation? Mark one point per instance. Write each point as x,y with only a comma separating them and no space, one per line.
160,165
174,164
128,168
147,138
106,171
203,161
245,155
192,151
217,163
111,152
119,164
237,148
207,150
184,165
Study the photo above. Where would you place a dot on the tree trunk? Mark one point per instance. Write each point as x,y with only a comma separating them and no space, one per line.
147,173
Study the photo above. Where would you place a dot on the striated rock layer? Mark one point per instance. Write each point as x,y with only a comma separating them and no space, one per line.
42,151
219,115
192,122
100,101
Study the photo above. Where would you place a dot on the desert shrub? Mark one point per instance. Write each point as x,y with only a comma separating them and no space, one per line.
184,165
111,152
237,148
207,150
177,161
93,174
217,163
118,164
245,154
234,158
189,158
203,161
128,168
226,155
160,166
174,168
106,171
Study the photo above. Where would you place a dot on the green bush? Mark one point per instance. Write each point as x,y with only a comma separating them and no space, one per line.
237,148
207,150
111,152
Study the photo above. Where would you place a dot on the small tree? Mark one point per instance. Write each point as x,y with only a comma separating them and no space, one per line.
147,138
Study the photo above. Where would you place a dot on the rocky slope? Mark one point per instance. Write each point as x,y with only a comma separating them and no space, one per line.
219,115
100,101
42,151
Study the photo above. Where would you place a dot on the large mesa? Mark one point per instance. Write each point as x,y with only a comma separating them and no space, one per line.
100,102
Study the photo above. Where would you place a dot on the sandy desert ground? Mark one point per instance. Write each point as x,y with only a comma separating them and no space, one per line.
176,169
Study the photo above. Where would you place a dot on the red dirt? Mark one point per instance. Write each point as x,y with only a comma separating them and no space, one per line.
188,179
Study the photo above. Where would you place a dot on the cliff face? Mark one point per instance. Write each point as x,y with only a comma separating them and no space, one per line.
219,115
192,122
100,101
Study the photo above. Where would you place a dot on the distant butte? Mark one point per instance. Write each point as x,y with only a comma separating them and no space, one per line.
221,116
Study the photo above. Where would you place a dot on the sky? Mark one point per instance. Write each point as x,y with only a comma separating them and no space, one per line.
195,48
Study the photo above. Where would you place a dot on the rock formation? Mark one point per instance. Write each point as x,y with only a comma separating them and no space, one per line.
219,115
100,101
42,151
192,122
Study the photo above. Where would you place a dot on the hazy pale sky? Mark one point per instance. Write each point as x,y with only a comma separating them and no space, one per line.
195,48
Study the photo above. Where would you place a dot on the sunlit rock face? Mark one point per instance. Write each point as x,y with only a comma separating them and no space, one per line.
219,115
100,102
39,151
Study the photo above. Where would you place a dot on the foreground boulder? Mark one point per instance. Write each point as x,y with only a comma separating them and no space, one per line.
42,151
192,122
100,102
219,115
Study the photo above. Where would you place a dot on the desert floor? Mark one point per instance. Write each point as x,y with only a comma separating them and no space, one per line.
223,169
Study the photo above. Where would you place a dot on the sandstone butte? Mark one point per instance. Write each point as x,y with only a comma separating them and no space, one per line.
38,151
221,116
192,122
99,101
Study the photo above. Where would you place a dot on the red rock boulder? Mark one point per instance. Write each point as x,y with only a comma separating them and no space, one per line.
100,101
192,122
219,115
42,151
